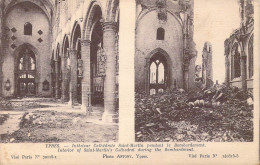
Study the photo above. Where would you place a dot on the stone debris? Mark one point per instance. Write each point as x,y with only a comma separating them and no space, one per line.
36,125
6,104
218,113
12,140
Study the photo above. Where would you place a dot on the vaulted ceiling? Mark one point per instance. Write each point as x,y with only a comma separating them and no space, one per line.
46,5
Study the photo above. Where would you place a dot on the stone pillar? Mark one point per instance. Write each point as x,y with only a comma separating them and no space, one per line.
146,74
207,70
186,63
243,70
57,77
227,69
186,59
64,79
109,41
73,77
209,77
1,46
86,81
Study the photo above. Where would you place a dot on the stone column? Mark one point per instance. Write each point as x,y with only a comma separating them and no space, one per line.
186,60
147,76
1,46
109,41
243,70
73,77
207,70
209,77
64,79
57,76
86,81
186,63
227,75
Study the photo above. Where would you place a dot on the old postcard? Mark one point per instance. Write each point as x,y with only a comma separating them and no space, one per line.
129,82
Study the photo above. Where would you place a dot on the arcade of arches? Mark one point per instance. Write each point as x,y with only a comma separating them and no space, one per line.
63,49
239,52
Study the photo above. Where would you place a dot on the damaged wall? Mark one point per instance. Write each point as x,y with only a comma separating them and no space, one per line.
239,49
177,46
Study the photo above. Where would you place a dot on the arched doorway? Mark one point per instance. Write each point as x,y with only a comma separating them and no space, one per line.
157,74
26,72
98,60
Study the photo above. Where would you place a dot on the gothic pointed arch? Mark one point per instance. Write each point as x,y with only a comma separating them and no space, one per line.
47,6
93,32
58,72
235,61
146,12
112,10
158,62
26,70
64,56
76,61
65,46
57,54
93,15
76,35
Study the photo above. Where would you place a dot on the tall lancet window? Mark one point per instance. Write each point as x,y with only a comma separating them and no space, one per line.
157,74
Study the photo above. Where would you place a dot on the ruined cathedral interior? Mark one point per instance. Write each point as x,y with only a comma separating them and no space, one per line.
66,49
166,57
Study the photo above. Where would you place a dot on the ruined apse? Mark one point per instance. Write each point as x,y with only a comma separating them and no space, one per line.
239,57
165,53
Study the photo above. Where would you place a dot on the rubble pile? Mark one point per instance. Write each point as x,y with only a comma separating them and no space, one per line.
4,103
216,114
3,118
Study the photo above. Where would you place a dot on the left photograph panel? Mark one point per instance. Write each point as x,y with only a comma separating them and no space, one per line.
59,71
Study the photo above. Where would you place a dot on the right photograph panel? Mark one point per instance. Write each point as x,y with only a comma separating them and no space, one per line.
194,71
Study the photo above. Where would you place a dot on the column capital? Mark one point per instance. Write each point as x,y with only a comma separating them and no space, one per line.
227,63
72,51
243,54
63,56
85,42
109,26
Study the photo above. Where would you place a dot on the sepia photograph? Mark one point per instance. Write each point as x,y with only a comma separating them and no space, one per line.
59,71
129,82
194,78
